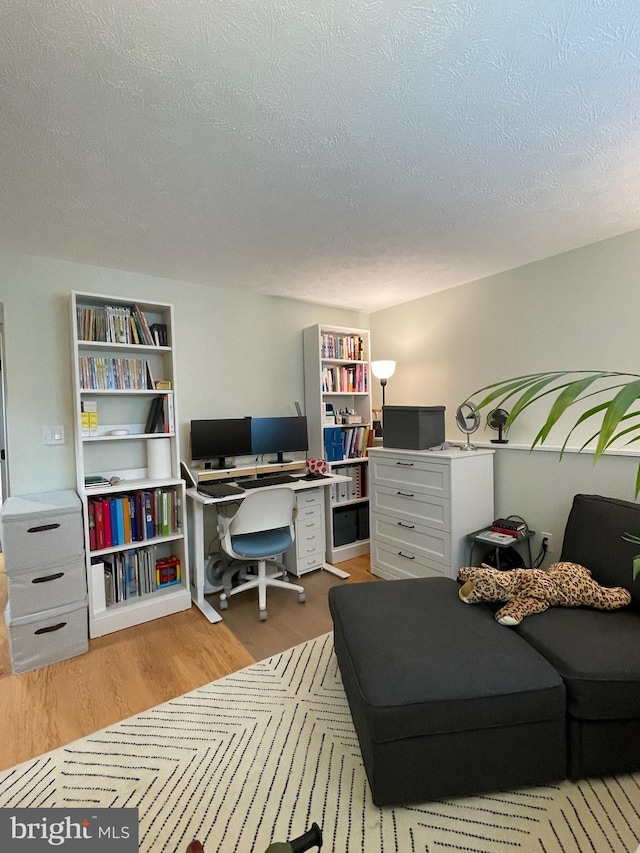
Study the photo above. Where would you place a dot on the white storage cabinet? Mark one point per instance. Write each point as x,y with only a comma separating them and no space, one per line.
43,545
308,552
423,504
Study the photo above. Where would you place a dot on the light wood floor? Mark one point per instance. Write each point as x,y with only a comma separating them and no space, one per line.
133,670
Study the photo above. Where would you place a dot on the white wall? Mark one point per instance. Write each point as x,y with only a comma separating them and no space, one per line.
576,311
237,355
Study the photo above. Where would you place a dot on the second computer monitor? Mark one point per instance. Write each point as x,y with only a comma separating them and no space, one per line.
279,436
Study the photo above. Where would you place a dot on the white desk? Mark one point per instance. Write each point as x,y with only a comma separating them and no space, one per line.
196,535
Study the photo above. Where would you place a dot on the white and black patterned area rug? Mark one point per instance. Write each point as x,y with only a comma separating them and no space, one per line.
261,754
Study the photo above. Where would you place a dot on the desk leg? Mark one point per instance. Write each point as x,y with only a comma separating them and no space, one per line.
334,570
197,562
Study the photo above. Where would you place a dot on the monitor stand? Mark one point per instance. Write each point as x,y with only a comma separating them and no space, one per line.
279,460
219,464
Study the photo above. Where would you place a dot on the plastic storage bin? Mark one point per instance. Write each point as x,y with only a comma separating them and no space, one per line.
52,585
47,637
41,528
413,427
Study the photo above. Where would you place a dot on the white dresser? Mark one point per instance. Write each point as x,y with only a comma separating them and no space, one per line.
423,503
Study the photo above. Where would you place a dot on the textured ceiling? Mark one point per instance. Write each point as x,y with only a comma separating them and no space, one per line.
350,152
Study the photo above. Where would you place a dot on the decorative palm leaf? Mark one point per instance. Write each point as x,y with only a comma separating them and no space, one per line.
620,409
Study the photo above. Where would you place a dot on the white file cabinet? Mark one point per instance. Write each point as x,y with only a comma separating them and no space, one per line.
43,545
423,503
308,551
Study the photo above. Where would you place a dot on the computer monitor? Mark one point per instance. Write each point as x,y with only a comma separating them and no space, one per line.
279,436
216,440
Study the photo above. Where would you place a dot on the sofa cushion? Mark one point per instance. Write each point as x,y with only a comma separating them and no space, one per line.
422,662
598,656
593,538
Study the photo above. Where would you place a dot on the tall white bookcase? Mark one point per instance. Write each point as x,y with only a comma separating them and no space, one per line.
121,350
337,374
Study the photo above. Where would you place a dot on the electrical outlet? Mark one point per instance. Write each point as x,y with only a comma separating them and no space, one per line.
549,538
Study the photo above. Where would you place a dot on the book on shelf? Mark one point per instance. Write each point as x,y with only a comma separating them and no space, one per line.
155,415
143,326
161,416
95,481
159,334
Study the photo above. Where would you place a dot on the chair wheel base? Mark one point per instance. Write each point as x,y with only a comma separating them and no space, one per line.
302,597
224,604
263,615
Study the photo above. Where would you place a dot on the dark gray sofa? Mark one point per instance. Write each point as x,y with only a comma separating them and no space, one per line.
447,702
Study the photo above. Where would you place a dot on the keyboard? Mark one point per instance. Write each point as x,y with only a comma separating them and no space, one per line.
219,490
261,482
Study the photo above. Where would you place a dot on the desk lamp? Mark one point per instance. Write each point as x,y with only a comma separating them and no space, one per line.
382,370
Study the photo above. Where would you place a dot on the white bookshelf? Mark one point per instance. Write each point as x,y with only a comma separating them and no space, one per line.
118,378
340,376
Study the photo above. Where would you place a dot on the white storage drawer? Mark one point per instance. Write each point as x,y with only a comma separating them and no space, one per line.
310,542
419,474
47,637
419,539
412,506
40,529
398,564
53,585
308,499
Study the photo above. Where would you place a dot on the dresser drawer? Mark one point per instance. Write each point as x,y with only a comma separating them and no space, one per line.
389,563
400,472
48,586
309,563
307,499
427,542
310,541
413,506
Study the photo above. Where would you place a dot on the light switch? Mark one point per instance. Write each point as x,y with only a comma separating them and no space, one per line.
53,434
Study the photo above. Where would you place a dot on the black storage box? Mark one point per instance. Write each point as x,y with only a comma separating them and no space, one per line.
363,522
345,525
413,427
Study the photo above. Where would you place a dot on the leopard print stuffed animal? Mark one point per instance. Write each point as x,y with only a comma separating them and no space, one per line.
530,591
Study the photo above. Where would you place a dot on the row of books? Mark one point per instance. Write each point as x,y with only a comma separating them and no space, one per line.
356,489
132,573
106,373
349,380
346,442
342,347
121,324
133,517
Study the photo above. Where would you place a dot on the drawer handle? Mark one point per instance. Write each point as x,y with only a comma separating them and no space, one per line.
47,578
42,527
408,526
50,628
406,494
405,464
406,556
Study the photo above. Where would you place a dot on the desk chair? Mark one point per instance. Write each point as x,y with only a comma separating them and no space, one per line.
262,528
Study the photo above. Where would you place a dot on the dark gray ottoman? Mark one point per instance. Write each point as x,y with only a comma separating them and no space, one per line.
445,701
